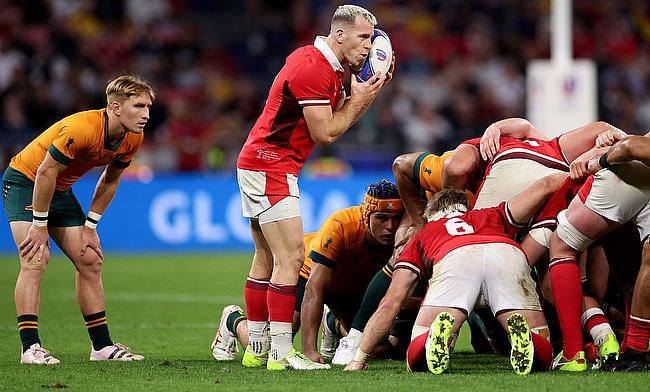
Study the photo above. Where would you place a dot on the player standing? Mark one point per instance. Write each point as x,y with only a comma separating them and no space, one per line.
39,202
306,105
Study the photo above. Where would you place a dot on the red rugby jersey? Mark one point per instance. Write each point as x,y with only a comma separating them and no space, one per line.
280,141
437,238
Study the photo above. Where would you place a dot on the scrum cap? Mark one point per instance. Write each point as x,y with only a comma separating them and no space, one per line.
381,196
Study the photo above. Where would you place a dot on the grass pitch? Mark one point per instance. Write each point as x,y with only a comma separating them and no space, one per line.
167,308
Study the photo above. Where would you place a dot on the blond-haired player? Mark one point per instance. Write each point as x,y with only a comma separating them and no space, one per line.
38,199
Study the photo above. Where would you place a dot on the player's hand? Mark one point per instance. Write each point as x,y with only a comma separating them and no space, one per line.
356,366
489,144
594,165
366,92
389,74
410,233
90,239
36,244
609,137
314,356
578,168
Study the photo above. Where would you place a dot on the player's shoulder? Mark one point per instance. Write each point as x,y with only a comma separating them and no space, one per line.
309,58
348,217
88,121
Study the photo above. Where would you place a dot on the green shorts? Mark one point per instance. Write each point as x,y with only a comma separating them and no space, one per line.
17,192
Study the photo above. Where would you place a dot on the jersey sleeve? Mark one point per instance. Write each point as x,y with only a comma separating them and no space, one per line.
70,143
328,243
410,258
511,226
312,87
123,161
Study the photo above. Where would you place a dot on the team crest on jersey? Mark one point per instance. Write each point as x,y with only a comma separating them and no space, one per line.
69,142
427,170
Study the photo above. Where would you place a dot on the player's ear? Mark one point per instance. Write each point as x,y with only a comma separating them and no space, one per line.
115,107
340,35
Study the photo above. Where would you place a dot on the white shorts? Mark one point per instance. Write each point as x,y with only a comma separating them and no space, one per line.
621,194
268,197
509,177
495,275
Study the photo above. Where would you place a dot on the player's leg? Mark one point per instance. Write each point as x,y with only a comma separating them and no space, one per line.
593,319
511,293
285,239
255,295
638,328
27,300
17,197
90,293
453,290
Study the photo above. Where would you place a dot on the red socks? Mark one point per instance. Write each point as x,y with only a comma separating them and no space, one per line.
255,297
281,300
543,352
416,360
638,334
567,293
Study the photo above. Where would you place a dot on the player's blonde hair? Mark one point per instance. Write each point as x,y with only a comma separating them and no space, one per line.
346,15
125,86
445,202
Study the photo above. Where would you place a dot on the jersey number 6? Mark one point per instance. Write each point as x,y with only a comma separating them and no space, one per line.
457,226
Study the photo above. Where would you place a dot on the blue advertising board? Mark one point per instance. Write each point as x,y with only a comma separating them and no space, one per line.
197,212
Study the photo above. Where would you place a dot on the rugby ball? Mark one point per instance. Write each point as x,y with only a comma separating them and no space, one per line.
379,57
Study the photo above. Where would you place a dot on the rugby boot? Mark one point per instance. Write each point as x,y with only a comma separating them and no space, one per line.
295,360
608,353
330,338
37,355
115,352
631,361
251,359
437,344
522,350
224,345
577,364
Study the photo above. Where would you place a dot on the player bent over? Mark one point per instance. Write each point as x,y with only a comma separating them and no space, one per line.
39,202
340,260
306,105
617,193
467,258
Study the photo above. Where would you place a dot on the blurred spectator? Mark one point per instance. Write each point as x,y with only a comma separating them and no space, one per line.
460,66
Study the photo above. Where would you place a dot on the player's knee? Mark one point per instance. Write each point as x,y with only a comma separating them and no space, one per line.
34,265
89,264
569,235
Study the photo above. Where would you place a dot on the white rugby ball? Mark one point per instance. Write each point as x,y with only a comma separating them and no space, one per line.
379,58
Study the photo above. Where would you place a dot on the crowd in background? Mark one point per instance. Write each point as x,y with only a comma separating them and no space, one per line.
460,66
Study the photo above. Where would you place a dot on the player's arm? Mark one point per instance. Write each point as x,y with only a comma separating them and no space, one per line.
580,140
460,169
325,125
44,186
522,206
104,192
408,187
311,310
628,149
518,128
400,290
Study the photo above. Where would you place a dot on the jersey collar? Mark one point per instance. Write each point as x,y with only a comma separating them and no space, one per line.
107,145
321,45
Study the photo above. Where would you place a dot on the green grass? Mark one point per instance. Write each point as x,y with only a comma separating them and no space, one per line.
167,308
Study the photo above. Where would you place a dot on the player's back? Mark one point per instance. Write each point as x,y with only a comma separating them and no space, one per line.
516,166
80,141
437,238
342,245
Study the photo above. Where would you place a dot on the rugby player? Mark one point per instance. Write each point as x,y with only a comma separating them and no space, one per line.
617,193
306,105
341,258
467,258
39,202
